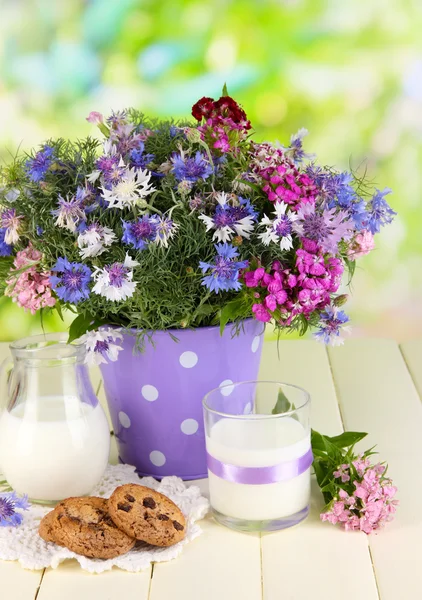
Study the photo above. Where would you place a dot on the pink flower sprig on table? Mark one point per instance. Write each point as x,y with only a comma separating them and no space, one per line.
29,286
358,495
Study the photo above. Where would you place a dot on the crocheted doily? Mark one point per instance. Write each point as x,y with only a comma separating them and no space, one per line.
25,545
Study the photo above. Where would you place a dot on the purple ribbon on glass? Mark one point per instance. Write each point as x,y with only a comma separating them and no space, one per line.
260,475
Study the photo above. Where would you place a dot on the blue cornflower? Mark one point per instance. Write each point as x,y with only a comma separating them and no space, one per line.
332,323
174,130
141,232
5,249
39,230
37,167
138,158
378,213
188,168
9,504
224,270
71,280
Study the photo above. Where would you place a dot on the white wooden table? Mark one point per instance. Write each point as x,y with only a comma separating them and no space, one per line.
366,385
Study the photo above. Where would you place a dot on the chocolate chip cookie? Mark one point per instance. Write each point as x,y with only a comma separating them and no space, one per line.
84,526
46,527
147,515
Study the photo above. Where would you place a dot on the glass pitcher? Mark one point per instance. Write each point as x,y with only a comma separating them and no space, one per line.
54,435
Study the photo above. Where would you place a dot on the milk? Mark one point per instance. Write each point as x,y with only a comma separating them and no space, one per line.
54,448
258,443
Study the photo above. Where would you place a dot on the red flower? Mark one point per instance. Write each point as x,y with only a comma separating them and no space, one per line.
203,108
224,108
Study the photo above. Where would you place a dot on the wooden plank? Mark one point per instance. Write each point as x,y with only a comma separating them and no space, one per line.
17,583
69,582
412,354
377,395
219,565
300,563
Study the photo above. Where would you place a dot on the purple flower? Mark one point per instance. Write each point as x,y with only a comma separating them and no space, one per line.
139,158
70,281
70,210
332,323
5,249
191,168
224,270
325,227
111,169
379,214
141,232
295,150
10,221
117,118
9,504
229,220
37,167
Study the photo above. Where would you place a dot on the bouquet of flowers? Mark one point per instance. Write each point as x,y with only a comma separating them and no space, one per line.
169,225
358,494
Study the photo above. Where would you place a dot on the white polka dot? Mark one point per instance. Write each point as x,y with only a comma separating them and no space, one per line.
124,419
248,409
189,426
188,359
157,458
149,392
255,343
226,391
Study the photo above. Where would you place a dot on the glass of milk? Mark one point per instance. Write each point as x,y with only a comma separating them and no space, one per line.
54,435
259,454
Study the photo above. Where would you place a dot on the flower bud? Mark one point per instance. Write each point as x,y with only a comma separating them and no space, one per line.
192,135
95,118
340,300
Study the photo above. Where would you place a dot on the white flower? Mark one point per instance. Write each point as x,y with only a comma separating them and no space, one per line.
92,178
131,190
114,282
12,195
69,213
101,345
166,228
94,240
278,230
230,220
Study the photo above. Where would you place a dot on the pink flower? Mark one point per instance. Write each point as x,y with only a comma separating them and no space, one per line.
342,473
362,244
30,289
95,117
261,313
361,465
252,278
371,504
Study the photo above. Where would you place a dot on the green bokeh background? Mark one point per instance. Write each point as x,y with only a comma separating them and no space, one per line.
350,71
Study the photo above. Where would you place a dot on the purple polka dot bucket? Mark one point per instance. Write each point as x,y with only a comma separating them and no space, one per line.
155,397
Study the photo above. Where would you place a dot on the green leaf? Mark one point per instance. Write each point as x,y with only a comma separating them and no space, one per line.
59,310
316,441
224,90
347,439
230,312
82,324
283,404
